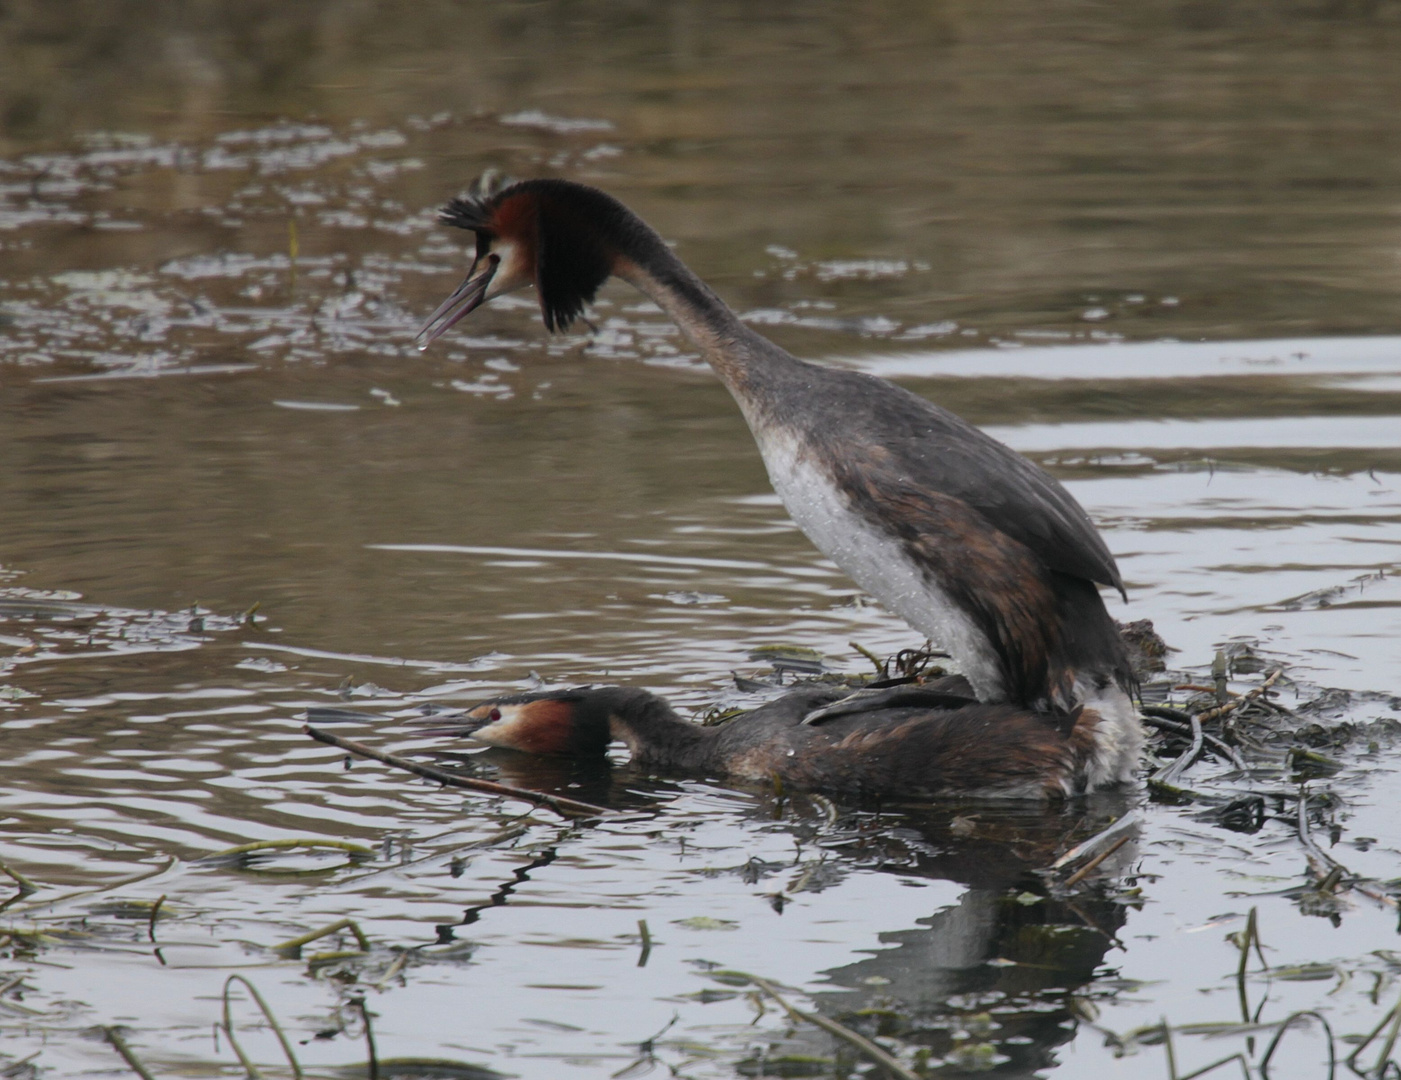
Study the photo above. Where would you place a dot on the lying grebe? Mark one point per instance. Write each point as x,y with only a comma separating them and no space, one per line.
974,546
919,742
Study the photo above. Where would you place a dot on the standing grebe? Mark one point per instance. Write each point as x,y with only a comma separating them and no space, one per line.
971,544
921,742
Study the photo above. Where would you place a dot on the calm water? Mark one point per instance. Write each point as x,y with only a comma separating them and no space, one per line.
1153,248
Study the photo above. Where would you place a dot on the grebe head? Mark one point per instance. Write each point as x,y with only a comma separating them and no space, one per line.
572,722
563,238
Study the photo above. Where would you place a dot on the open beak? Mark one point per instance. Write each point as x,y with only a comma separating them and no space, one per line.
469,296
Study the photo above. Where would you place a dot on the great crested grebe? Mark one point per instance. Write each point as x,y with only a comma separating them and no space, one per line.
919,742
974,546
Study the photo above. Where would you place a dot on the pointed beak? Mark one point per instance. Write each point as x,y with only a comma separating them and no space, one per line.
457,725
460,732
469,296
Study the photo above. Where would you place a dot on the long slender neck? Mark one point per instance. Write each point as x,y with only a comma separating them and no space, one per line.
654,734
741,357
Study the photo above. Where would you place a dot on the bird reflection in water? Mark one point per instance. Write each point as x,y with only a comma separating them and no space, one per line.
993,982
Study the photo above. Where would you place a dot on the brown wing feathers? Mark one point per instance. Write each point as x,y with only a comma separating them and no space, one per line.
929,752
998,581
1046,627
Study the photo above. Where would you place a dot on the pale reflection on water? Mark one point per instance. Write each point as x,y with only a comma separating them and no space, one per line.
1151,248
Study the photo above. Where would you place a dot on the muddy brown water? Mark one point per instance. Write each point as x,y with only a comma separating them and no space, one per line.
1152,247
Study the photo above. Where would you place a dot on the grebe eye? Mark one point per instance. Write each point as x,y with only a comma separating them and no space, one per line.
494,715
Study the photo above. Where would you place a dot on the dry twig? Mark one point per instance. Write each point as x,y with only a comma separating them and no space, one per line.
558,803
1097,842
1089,867
113,1036
1244,699
841,1031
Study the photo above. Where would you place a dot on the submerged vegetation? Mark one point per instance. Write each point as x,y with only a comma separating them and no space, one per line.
1244,749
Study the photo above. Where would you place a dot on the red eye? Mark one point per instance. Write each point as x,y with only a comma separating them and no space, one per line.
494,715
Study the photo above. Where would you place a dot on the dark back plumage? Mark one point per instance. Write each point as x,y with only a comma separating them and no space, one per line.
913,743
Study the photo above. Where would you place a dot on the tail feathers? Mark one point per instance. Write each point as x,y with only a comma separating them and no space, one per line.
1091,656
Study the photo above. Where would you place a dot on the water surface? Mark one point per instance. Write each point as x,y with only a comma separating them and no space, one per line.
1154,249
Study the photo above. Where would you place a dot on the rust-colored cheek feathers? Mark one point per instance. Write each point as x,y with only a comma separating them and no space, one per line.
571,234
537,727
515,216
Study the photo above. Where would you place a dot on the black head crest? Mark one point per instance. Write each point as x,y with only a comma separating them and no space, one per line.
476,206
573,232
574,251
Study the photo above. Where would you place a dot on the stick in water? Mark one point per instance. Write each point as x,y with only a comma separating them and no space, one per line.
558,803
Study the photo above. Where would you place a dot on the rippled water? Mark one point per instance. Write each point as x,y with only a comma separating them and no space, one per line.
1154,249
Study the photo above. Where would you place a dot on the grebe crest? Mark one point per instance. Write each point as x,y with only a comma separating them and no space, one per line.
564,238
